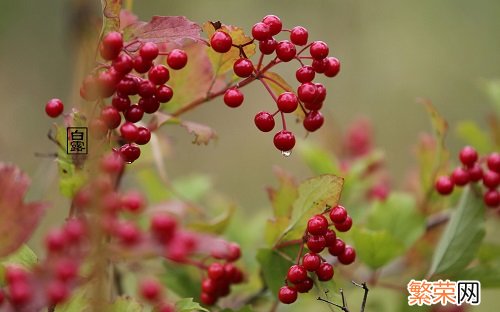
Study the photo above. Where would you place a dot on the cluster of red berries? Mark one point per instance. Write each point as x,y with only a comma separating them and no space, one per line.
309,96
472,171
318,238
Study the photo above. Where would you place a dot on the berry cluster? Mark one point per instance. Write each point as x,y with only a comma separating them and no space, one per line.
472,171
308,97
318,238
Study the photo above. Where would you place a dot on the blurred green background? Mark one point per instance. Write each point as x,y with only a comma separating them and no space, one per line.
392,52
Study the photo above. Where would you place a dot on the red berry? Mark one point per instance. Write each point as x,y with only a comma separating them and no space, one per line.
15,274
215,271
134,113
460,176
130,152
344,226
55,240
348,256
233,97
284,140
305,74
149,105
313,121
127,86
66,269
315,106
311,261
146,89
261,31
305,285
111,116
150,290
319,65
234,252
337,248
129,132
164,93
287,294
444,185
111,45
338,214
491,198
243,67
264,121
475,173
123,63
120,102
491,179
20,293
285,51
287,102
317,225
128,233
316,243
268,46
320,92
274,24
106,83
325,272
307,92
330,237
209,286
299,35
141,64
112,163
207,299
468,156
163,227
74,230
494,162
221,41
177,59
319,50
332,67
57,292
144,135
166,307
158,74
149,51
296,274
133,202
54,108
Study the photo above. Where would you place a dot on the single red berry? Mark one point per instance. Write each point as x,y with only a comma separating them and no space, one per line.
286,51
313,121
320,92
237,276
348,256
268,46
141,64
106,83
215,271
338,214
305,285
316,243
311,261
444,185
166,307
344,226
123,63
274,24
128,233
287,102
149,51
264,121
223,288
150,290
337,248
66,269
15,274
319,65
319,50
127,86
130,152
261,31
475,173
55,240
284,140
243,67
491,179
468,156
111,45
111,116
234,252
120,102
74,230
209,286
460,176
305,74
221,41
325,272
313,106
299,35
164,93
231,272
112,163
330,237
158,74
287,294
207,299
134,113
146,89
57,292
144,135
54,108
149,105
493,162
491,198
332,67
307,92
163,227
20,293
296,274
133,202
317,225
233,97
177,59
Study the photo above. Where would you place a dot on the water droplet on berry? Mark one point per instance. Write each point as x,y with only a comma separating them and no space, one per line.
286,153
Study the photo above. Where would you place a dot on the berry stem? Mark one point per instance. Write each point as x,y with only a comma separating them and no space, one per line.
275,82
259,64
289,243
268,88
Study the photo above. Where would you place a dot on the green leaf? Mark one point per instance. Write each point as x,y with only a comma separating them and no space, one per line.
462,237
183,280
315,196
193,187
187,305
274,229
376,248
151,185
317,159
218,224
282,198
474,136
79,302
489,276
246,308
274,268
492,89
125,304
23,256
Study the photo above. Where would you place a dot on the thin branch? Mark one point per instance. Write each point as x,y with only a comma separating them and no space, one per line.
365,296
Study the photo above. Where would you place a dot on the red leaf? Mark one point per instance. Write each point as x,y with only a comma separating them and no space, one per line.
18,220
173,30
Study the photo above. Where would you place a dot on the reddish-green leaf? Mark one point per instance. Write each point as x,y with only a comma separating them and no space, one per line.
111,15
18,220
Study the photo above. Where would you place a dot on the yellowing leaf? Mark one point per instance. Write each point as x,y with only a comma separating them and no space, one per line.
202,134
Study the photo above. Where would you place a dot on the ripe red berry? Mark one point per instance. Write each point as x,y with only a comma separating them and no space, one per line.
164,93
274,24
285,50
325,272
475,172
305,286
268,46
344,226
319,65
287,102
221,41
15,274
460,176
20,293
111,45
491,198
54,108
207,299
311,261
264,121
111,116
57,292
55,240
144,135
127,86
150,290
287,294
337,248
316,243
149,51
319,50
149,105
106,83
146,89
177,59
141,64
120,102
74,230
66,269
163,227
261,31
284,140
493,162
133,202
305,74
330,237
233,97
215,271
468,156
296,274
338,214
332,67
243,67
134,113
348,256
444,185
313,121
123,64
128,233
317,225
299,35
234,252
209,286
491,179
307,92
158,74
320,93
130,152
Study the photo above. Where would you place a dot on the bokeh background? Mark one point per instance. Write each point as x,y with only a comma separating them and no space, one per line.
392,53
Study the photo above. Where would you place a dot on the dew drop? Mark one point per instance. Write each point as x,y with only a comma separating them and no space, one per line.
286,153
